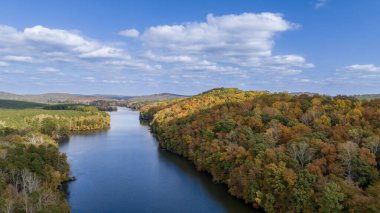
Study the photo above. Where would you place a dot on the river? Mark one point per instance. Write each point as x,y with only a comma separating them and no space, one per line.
123,170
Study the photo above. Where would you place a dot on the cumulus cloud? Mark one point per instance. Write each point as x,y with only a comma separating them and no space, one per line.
356,77
240,46
361,68
44,45
169,59
250,33
76,43
243,41
133,33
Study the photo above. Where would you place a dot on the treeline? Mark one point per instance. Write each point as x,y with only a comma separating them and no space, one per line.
91,119
280,152
103,105
31,167
56,120
138,102
107,106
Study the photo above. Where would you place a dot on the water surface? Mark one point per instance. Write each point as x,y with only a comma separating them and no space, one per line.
123,170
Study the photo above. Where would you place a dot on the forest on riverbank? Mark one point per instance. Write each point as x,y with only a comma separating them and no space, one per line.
31,166
277,151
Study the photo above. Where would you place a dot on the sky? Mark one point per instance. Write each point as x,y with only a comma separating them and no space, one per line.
189,46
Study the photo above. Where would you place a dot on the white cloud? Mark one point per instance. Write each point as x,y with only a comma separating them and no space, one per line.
104,52
114,82
90,78
356,76
3,64
302,80
240,46
12,71
133,33
242,41
169,59
49,69
291,60
16,58
248,32
44,45
370,76
320,3
361,68
87,48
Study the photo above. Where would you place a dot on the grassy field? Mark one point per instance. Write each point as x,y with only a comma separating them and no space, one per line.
18,118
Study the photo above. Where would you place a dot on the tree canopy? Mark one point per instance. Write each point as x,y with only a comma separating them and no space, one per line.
282,152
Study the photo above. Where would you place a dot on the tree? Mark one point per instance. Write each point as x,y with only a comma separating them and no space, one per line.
372,143
45,197
29,183
356,135
303,193
49,126
307,119
10,198
301,152
331,199
347,152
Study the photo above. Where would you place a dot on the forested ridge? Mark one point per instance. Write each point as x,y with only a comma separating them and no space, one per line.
31,166
280,152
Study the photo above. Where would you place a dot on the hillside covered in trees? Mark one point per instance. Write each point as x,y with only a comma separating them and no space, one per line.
280,152
139,101
31,167
95,100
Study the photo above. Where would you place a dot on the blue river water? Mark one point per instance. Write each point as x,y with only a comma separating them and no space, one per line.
123,170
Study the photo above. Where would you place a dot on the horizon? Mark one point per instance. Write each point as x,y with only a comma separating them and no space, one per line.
180,94
141,48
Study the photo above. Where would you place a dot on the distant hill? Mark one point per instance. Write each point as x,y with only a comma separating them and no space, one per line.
12,104
155,97
10,96
304,93
360,97
41,98
368,96
137,102
60,97
97,100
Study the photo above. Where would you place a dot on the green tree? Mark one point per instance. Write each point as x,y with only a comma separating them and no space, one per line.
331,199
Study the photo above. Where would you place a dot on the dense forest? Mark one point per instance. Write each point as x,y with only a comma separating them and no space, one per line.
31,167
277,151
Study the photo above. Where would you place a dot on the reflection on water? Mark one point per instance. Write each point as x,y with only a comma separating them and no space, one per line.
123,170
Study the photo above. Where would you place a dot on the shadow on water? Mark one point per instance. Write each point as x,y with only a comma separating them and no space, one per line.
218,191
64,187
144,123
64,141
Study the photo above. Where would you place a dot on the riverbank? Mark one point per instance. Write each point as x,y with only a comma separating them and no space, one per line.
32,168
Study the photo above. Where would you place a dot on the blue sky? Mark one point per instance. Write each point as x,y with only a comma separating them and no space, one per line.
149,46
